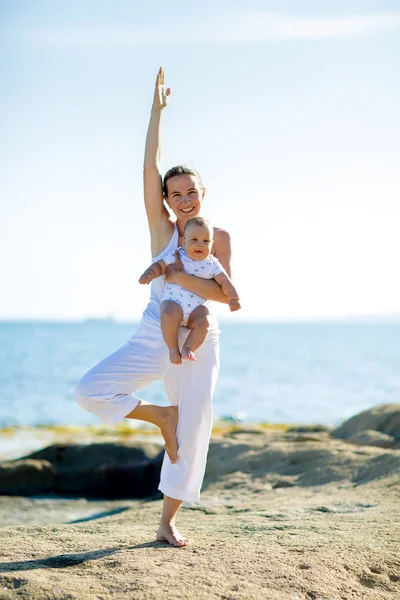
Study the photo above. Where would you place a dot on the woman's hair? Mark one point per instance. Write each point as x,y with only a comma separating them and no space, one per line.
180,170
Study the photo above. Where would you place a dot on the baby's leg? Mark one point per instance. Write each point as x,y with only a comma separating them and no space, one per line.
198,322
171,318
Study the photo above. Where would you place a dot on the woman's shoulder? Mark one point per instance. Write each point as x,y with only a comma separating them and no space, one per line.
222,248
221,237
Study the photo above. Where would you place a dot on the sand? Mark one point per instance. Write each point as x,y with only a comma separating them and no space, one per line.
283,516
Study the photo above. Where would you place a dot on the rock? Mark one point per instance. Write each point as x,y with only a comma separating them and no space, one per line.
378,466
283,483
90,456
369,437
308,429
234,462
131,480
26,477
105,470
244,431
307,438
384,418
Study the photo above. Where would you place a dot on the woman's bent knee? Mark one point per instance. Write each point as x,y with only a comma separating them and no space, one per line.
81,392
86,391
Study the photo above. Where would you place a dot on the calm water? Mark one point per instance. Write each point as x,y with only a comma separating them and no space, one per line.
304,373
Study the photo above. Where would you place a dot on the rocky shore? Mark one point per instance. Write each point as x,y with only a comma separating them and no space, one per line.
286,513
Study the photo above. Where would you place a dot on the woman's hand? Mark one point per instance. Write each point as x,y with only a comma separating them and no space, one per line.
174,269
161,95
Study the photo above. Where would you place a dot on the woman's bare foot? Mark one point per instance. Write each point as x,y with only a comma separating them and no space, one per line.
187,353
168,430
169,533
175,356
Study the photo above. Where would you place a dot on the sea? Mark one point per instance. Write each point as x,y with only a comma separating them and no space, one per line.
296,373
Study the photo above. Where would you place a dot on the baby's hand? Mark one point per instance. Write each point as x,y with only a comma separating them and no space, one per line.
147,277
234,304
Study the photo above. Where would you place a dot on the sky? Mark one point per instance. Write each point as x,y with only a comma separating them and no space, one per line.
289,109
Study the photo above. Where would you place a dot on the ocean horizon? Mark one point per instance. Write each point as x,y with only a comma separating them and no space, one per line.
297,371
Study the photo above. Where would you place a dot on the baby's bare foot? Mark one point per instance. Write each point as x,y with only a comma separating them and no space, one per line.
169,533
175,356
187,353
168,430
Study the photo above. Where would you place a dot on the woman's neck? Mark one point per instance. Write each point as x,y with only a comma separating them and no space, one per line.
181,226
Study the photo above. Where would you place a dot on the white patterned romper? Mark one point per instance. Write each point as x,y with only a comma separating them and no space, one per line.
206,269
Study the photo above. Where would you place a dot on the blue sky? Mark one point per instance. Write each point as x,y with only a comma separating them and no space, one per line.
288,109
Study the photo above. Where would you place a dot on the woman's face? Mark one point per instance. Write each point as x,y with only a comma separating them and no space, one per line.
184,196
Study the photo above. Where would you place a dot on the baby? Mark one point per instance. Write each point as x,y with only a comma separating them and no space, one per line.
179,305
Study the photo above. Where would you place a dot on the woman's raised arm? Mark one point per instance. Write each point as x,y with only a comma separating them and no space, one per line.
153,197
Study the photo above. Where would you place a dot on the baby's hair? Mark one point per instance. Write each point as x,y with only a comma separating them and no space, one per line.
180,170
199,221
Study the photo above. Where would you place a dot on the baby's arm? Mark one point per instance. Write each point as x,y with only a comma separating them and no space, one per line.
229,290
155,270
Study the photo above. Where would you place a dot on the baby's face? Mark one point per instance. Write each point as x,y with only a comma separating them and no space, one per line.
198,241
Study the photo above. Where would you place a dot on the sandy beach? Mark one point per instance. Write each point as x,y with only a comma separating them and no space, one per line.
285,514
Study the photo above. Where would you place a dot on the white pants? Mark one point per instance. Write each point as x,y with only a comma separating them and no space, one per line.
106,390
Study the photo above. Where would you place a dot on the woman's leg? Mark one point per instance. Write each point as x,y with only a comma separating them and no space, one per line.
167,532
164,417
189,386
106,390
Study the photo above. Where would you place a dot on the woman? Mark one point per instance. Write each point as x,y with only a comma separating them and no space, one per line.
107,389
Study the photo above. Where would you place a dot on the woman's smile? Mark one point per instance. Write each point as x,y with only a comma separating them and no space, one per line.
187,210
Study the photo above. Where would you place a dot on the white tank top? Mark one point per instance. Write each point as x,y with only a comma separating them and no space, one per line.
152,311
157,286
